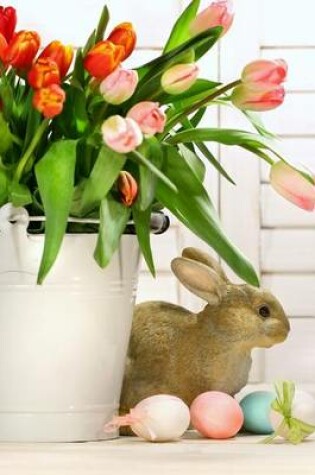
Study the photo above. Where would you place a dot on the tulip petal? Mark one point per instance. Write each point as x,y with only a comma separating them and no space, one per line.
290,184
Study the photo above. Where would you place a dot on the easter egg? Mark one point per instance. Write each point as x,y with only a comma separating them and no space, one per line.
256,408
302,409
216,415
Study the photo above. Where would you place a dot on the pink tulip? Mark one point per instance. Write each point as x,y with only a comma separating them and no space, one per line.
219,13
119,86
121,135
179,78
148,115
290,184
265,72
254,98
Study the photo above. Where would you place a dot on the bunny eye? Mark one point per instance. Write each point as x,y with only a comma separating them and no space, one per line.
264,311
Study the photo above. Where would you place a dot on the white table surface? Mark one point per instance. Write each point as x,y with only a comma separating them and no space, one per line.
192,455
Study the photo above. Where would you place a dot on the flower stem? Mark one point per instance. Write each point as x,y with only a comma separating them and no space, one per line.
177,119
29,151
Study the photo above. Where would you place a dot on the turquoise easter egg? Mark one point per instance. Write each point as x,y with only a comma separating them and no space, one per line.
256,408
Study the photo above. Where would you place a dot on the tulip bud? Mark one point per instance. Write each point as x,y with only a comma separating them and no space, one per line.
43,73
121,135
61,54
150,118
7,22
22,49
124,35
128,188
290,184
219,13
248,97
3,47
103,59
49,100
119,86
265,72
179,78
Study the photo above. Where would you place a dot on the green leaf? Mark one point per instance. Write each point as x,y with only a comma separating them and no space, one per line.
113,220
142,224
199,44
5,135
73,121
55,178
138,157
19,194
241,138
180,32
102,24
3,187
151,149
78,75
89,44
193,207
104,174
214,162
193,161
256,121
198,91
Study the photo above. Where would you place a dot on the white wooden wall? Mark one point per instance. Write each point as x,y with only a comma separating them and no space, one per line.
278,238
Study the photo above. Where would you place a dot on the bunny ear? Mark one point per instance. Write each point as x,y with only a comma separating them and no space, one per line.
204,258
199,279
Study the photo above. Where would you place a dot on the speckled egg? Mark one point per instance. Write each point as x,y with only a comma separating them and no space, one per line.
256,408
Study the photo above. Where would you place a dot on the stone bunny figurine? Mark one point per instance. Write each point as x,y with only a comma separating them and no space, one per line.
175,351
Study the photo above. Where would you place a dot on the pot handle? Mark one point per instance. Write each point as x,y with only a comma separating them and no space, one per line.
13,217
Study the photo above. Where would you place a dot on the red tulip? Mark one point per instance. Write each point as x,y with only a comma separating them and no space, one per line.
3,47
103,59
49,100
7,22
128,188
61,54
257,99
124,35
43,73
22,49
290,184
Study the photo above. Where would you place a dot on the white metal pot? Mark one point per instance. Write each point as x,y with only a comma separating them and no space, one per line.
63,344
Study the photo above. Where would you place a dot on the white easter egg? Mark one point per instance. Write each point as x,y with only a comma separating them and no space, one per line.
164,418
303,409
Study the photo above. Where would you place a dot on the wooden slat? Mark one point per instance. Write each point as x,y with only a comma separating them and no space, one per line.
288,250
296,292
298,61
277,212
295,116
164,249
72,21
287,22
293,359
162,288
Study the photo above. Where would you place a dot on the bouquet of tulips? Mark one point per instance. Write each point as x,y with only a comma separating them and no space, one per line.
97,140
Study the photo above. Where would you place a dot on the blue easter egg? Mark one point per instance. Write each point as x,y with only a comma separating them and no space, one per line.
256,408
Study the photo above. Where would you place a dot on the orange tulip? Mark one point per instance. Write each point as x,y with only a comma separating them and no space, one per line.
43,73
61,54
49,100
103,59
124,35
3,47
128,188
22,49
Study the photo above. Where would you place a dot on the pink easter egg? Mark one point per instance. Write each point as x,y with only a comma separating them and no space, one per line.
216,415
